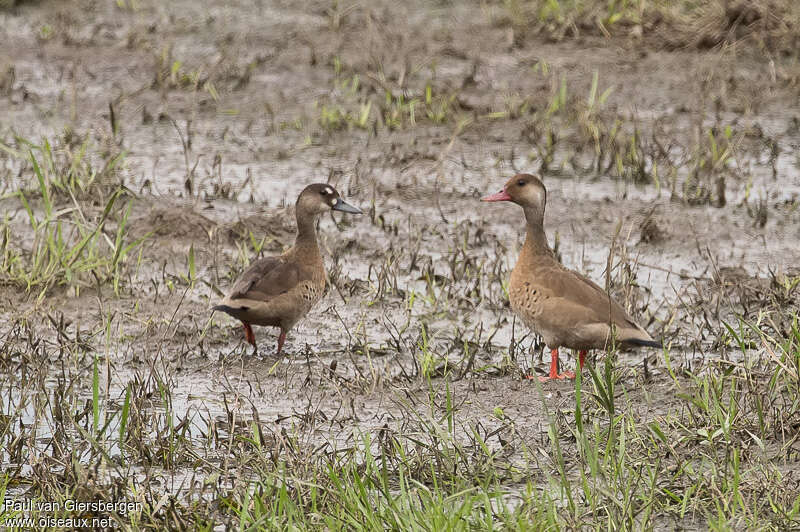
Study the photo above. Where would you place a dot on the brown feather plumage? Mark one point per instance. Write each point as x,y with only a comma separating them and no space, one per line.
566,308
279,291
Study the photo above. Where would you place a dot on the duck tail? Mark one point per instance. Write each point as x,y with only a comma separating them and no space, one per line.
643,343
227,309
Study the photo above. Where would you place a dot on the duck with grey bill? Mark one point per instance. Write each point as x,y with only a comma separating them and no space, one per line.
278,291
564,307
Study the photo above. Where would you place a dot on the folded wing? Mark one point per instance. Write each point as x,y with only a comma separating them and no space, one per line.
267,278
580,306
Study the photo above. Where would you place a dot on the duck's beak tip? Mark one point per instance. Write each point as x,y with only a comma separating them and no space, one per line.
343,206
498,196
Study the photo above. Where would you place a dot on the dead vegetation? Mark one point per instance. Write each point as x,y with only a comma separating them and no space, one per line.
770,25
164,154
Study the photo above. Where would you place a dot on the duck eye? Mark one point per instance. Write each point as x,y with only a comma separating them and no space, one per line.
521,182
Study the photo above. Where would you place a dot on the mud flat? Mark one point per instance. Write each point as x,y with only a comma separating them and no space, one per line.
150,150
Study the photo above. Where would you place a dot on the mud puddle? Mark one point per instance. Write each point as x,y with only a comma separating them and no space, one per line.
217,135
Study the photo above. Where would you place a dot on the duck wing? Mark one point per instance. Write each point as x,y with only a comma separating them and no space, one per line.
269,277
575,303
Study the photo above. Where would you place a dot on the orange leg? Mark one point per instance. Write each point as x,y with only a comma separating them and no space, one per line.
581,358
248,334
281,339
554,369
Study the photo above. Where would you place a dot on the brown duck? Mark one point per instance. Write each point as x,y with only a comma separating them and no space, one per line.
564,307
278,291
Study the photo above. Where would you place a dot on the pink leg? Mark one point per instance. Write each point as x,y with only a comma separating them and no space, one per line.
554,369
248,334
553,365
281,339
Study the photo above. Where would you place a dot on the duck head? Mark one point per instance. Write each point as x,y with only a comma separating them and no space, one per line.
528,192
321,197
525,190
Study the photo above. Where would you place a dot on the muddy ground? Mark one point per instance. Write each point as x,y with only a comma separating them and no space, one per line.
223,111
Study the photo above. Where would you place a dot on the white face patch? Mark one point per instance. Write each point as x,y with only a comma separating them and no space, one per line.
328,191
333,202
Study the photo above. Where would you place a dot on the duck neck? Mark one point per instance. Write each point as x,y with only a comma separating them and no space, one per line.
306,240
535,238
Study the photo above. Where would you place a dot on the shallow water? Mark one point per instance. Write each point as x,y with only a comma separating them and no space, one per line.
350,366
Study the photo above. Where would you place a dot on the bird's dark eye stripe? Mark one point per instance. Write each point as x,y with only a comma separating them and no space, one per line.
521,182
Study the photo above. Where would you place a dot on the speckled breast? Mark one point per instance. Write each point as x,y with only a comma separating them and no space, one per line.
310,292
525,300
